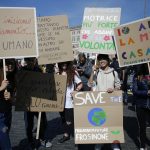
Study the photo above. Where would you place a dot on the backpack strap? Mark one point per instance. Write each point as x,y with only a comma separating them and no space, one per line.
114,77
114,73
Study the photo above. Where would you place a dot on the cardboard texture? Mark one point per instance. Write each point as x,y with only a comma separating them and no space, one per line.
102,117
54,40
132,42
40,92
18,32
97,30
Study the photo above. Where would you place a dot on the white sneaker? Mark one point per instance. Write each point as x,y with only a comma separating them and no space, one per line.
116,148
46,143
143,148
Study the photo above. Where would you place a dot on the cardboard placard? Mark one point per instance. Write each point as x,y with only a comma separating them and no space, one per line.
97,30
18,32
102,117
132,42
54,40
40,92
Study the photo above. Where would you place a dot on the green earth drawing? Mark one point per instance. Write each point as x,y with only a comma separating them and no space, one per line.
97,116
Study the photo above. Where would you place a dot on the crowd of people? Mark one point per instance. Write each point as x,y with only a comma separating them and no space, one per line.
82,75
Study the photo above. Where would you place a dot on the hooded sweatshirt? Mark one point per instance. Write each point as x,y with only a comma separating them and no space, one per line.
107,79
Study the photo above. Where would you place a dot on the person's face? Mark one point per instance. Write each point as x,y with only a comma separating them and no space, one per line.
103,63
10,68
82,60
64,66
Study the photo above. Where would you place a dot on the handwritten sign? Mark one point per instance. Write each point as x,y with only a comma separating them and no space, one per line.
54,40
97,30
102,117
18,33
133,42
40,92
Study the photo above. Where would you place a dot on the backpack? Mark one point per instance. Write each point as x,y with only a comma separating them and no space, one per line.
130,78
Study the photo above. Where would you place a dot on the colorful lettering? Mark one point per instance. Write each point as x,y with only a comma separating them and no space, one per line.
124,55
132,54
148,51
140,52
130,41
119,33
87,24
122,43
142,27
96,45
142,36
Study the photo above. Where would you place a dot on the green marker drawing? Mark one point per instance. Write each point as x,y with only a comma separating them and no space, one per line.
115,132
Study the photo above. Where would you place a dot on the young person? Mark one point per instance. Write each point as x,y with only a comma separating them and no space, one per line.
84,68
106,79
141,91
6,92
73,84
31,65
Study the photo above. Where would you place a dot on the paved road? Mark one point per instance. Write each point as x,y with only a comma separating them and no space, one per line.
54,132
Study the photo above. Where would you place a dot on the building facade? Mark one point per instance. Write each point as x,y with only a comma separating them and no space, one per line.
75,37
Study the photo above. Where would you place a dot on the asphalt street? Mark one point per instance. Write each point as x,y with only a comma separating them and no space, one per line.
55,131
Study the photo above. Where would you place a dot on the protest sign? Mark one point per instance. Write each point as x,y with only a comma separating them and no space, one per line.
18,32
132,42
102,117
97,30
54,40
40,92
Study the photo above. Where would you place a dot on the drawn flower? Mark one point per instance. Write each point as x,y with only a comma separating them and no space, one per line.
95,36
106,37
84,36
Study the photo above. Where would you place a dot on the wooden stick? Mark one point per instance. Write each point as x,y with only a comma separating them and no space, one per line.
4,69
38,126
148,67
96,59
95,62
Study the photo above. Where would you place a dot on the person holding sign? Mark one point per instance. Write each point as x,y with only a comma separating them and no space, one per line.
31,65
141,92
106,79
73,84
5,114
6,91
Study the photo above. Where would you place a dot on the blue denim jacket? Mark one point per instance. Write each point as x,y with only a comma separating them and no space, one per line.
140,89
5,119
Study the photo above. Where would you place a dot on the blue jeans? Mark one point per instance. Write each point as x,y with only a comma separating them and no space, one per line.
5,119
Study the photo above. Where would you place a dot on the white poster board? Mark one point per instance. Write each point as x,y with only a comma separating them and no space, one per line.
97,30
